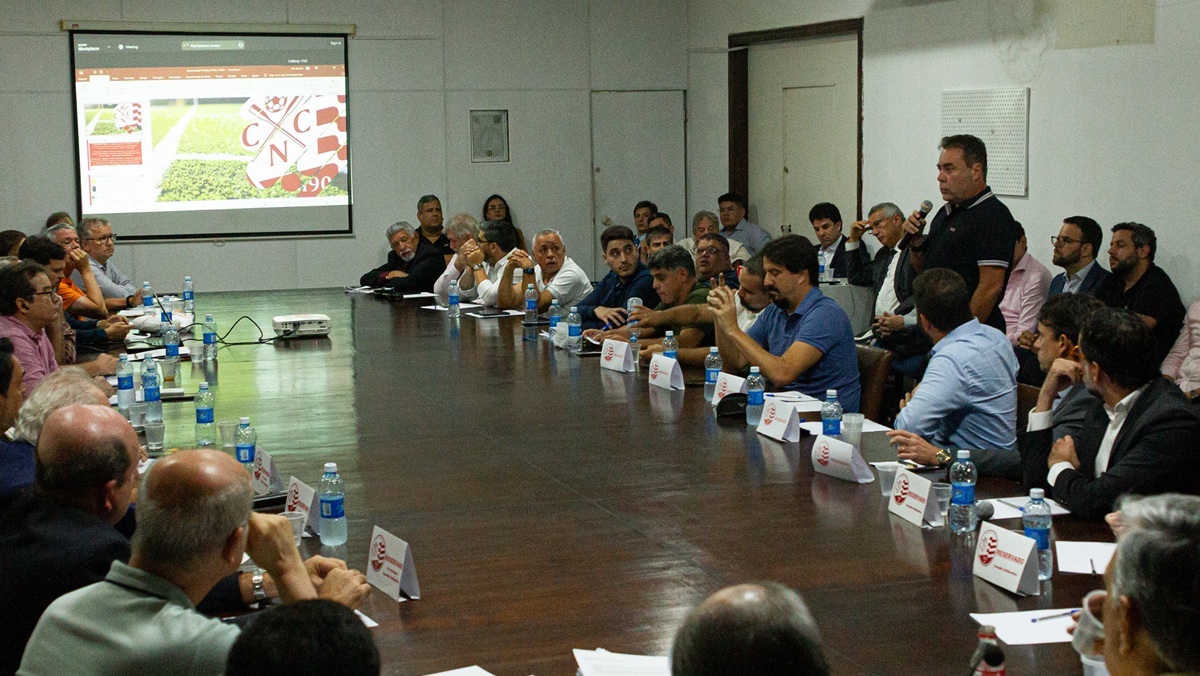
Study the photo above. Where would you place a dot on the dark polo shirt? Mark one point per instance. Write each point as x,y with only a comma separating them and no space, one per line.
1154,295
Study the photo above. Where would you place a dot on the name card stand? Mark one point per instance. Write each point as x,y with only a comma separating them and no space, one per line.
615,355
1007,559
266,477
665,373
912,500
779,421
390,566
727,383
302,498
840,460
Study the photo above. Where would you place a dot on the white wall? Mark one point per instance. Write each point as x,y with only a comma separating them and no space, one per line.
1112,129
416,68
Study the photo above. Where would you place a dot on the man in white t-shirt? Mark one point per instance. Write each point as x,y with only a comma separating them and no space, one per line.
555,276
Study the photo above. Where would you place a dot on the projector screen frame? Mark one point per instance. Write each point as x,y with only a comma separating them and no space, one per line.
345,32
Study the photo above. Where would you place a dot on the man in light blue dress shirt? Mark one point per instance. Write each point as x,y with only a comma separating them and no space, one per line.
735,226
97,239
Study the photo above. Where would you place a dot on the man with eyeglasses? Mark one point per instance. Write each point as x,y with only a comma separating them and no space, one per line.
31,317
712,262
1139,285
706,222
555,276
97,239
734,225
1075,249
488,256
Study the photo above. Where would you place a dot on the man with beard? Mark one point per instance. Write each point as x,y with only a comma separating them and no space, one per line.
1139,285
675,284
803,340
1075,250
629,278
406,270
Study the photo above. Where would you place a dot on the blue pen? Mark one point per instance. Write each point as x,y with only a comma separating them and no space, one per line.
606,326
1056,616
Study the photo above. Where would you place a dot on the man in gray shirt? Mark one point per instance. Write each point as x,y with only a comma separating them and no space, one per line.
97,239
735,226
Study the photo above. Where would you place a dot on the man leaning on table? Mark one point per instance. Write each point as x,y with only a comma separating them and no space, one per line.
97,239
675,284
551,272
1143,439
488,255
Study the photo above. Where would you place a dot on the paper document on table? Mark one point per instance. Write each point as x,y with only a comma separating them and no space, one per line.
1089,558
604,663
366,620
465,671
423,294
791,396
1012,508
815,426
359,289
593,340
461,306
491,313
1019,628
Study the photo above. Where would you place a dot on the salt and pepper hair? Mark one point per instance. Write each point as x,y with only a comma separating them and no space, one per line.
1158,568
185,532
462,226
84,229
66,386
889,209
549,231
705,216
402,226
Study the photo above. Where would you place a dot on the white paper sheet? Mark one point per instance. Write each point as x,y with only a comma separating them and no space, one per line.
1089,558
423,294
359,289
366,620
791,396
604,663
465,671
1010,508
814,426
461,306
1018,629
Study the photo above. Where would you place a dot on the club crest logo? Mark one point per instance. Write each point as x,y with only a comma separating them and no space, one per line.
608,353
769,414
378,553
988,544
258,466
823,454
293,503
297,141
900,491
723,389
654,371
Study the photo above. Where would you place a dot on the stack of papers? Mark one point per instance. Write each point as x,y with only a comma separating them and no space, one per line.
1013,508
1019,628
604,663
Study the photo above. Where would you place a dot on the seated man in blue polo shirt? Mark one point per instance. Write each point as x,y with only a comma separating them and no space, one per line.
803,340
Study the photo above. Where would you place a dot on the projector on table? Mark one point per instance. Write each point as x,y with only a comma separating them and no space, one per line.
301,326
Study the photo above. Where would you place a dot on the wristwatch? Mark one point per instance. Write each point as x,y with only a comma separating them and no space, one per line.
943,457
477,266
529,271
128,302
260,593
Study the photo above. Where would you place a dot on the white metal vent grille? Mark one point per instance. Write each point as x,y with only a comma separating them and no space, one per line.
1000,117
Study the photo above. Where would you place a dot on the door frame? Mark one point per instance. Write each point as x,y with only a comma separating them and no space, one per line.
739,93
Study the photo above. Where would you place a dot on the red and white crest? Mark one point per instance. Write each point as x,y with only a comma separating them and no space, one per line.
988,544
901,490
608,352
823,454
378,552
293,503
298,141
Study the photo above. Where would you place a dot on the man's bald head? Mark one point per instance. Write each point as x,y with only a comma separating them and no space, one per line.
87,456
190,503
761,628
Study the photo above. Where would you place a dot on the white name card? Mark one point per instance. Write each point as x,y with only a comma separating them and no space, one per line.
665,373
840,460
1007,559
390,566
302,498
779,421
727,383
912,500
266,478
616,356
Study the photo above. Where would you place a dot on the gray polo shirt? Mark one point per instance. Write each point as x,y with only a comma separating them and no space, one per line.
112,281
133,622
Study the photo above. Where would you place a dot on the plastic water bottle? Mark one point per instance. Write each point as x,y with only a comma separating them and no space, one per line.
210,338
147,296
151,392
831,415
206,429
1036,521
634,332
333,507
125,391
245,439
531,303
556,313
821,265
962,498
756,389
189,297
452,306
575,331
670,345
712,371
171,342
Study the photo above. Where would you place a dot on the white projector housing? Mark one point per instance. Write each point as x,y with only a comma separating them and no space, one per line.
301,326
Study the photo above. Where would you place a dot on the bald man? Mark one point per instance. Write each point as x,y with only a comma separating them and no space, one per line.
763,629
194,523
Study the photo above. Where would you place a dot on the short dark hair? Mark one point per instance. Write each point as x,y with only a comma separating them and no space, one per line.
317,636
771,635
755,265
733,197
1089,232
15,283
646,204
717,237
795,253
662,215
659,231
822,210
41,250
672,257
1018,231
941,295
57,217
71,477
1142,236
1119,341
614,233
426,199
9,239
1065,314
973,150
6,367
500,233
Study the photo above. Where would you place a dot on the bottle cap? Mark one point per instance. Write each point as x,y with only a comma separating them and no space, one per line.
1037,493
964,455
330,467
528,287
204,386
245,420
574,308
670,334
554,301
124,357
208,317
187,278
713,350
831,394
754,369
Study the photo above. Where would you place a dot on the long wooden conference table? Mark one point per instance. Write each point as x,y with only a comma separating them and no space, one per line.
550,505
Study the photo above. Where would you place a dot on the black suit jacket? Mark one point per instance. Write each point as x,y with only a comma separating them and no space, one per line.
841,258
1154,453
423,271
873,273
1094,276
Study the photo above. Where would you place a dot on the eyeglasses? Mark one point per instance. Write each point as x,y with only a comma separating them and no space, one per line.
1063,241
106,238
51,292
710,250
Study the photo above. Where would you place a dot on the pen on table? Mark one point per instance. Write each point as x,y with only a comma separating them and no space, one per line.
1055,616
1093,562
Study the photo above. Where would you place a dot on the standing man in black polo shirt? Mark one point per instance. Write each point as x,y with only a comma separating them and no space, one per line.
1137,284
973,235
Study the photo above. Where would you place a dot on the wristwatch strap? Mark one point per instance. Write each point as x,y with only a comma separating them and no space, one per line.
260,593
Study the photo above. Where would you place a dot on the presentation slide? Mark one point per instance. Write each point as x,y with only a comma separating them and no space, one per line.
195,136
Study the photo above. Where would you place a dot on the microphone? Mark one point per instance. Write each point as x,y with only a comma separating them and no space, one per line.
984,510
922,212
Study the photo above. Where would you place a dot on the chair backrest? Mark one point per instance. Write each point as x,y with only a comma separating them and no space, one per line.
1027,396
874,368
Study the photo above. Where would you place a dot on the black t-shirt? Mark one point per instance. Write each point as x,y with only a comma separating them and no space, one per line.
980,231
441,245
1154,295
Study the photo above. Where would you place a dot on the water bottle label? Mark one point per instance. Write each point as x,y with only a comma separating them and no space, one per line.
574,330
148,301
188,295
245,453
332,508
204,415
755,398
711,375
554,322
124,382
454,299
964,494
822,266
831,427
531,305
165,317
172,350
210,338
152,394
673,354
1039,535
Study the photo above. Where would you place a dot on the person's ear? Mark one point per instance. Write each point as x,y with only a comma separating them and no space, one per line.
1126,625
108,496
232,550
